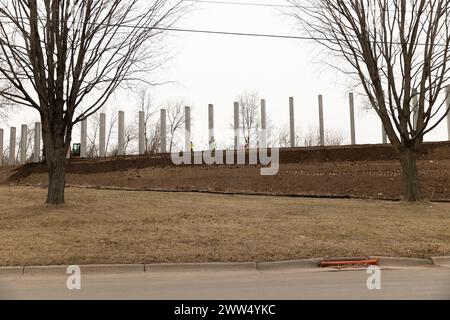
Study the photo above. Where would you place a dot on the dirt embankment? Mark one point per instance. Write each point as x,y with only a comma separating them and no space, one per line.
369,171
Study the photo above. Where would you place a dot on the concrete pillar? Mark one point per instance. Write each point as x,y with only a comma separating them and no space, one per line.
263,124
415,110
23,144
141,132
187,129
352,120
163,145
1,147
211,126
102,136
448,125
292,121
448,115
12,146
321,125
121,134
384,137
83,140
237,125
37,142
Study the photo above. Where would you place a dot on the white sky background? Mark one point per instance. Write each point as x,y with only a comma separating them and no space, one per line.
215,69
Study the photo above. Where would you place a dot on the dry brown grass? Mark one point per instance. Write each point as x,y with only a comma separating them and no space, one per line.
146,227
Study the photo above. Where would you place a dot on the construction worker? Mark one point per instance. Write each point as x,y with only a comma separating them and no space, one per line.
213,144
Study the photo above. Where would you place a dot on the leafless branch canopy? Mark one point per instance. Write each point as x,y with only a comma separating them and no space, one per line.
59,55
175,119
249,103
399,50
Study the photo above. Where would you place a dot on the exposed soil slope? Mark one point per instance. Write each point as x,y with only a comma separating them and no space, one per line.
369,171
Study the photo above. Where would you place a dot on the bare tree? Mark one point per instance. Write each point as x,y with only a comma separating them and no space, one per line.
29,143
3,111
249,108
65,59
399,51
153,138
113,119
152,133
93,149
284,137
175,120
130,137
92,146
4,157
332,138
311,138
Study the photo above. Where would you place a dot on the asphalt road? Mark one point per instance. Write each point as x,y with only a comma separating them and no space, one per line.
429,283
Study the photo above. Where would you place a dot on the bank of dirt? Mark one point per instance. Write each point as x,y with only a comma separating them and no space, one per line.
370,171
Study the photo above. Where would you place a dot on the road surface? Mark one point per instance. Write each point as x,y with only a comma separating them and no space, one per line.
428,283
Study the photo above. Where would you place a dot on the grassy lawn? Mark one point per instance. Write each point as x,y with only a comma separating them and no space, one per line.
146,227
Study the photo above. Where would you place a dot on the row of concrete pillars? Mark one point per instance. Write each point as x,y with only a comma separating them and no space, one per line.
22,158
163,128
211,133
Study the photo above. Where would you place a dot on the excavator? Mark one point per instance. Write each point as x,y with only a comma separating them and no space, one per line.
76,150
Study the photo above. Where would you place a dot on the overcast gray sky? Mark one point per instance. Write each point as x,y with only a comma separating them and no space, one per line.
214,69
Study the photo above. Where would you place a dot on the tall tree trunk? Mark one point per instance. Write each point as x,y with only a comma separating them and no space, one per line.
410,175
56,158
56,177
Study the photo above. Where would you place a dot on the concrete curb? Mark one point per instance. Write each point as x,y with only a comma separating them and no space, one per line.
441,261
385,262
195,267
11,271
45,270
112,268
403,262
85,269
291,264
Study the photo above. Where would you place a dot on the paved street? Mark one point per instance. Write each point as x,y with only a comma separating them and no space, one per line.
431,283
